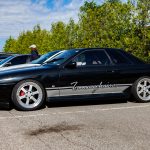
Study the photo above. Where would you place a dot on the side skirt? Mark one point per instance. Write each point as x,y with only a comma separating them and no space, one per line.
90,97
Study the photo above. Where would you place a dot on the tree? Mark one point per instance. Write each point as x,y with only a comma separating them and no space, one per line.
141,19
111,24
58,36
10,45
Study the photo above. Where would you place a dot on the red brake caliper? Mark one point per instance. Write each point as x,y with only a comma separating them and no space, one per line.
22,93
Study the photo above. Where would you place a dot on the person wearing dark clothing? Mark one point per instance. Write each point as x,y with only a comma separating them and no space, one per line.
34,52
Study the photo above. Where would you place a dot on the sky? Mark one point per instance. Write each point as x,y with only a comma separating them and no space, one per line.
21,15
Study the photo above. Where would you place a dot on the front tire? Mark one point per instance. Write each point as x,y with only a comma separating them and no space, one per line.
141,89
28,95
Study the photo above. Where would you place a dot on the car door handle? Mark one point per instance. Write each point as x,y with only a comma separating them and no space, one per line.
110,71
113,71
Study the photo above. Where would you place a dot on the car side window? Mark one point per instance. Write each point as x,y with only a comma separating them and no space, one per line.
28,59
118,58
19,60
94,57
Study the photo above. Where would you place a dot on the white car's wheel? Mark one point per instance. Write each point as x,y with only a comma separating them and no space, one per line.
141,89
28,95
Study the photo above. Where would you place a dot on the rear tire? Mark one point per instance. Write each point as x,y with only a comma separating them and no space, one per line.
28,95
141,89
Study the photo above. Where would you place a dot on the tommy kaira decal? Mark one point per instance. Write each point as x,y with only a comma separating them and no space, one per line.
101,85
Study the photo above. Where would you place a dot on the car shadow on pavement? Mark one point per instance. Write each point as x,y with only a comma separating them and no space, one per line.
68,103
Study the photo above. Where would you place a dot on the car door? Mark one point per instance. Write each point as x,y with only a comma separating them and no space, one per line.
127,70
93,74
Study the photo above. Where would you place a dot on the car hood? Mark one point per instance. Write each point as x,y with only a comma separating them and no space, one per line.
17,67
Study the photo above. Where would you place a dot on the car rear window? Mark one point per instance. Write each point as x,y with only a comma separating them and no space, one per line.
131,57
118,58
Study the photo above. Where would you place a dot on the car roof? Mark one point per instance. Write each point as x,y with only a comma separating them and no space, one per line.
21,55
5,53
96,48
131,57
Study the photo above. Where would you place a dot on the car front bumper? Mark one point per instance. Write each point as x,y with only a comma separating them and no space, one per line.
5,92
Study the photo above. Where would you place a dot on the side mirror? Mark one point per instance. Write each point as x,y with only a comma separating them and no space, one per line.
71,65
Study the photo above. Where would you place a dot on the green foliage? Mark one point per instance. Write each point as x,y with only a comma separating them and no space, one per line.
111,24
10,45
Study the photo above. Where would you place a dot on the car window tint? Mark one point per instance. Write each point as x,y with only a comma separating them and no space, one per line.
97,57
19,60
131,57
118,58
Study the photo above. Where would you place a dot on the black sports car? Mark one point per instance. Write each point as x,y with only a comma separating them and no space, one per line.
77,74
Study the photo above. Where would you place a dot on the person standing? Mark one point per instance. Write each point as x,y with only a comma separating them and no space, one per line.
34,52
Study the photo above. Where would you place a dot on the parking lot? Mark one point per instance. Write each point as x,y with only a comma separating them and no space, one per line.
77,126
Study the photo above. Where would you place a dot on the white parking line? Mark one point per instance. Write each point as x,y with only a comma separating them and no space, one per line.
74,112
120,108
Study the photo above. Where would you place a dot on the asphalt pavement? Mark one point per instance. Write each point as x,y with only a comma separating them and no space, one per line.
77,126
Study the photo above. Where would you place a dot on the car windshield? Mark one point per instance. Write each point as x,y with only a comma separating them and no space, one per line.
62,57
5,60
44,57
